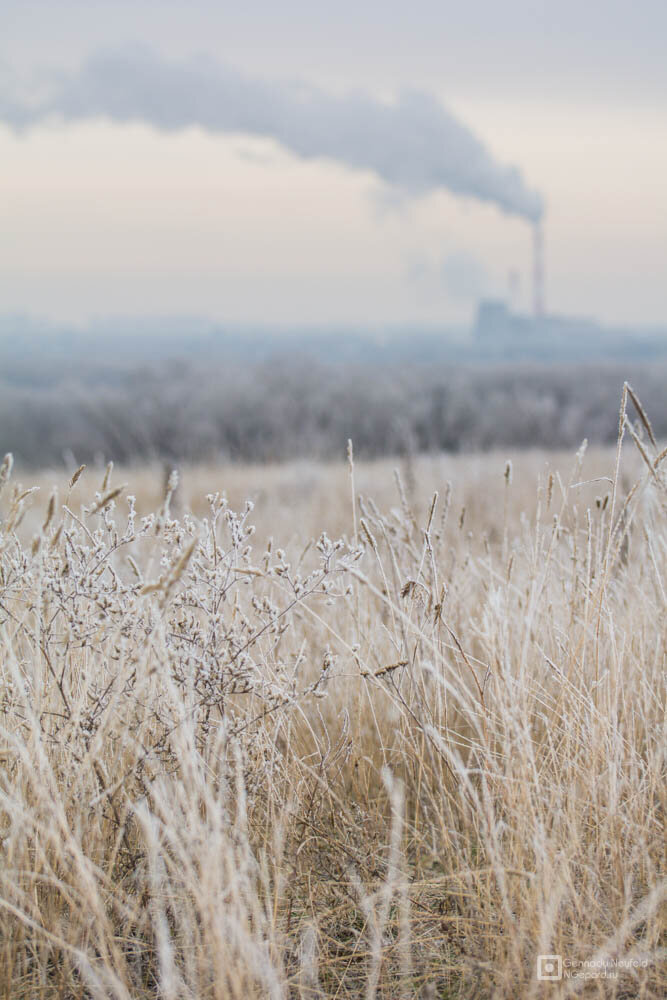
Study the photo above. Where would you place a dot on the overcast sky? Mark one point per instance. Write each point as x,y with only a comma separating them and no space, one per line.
104,213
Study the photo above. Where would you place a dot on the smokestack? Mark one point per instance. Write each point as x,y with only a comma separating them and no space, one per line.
514,288
538,269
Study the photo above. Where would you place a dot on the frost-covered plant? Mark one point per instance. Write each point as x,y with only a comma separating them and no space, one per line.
232,770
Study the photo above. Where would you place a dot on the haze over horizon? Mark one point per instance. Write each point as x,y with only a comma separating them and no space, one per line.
246,214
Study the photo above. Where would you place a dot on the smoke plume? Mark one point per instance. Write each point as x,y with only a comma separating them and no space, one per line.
414,144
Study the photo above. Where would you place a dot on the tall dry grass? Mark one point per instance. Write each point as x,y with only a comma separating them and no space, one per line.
403,762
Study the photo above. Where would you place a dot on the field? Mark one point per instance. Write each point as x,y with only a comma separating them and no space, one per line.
384,734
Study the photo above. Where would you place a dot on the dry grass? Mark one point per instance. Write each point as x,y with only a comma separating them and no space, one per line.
399,764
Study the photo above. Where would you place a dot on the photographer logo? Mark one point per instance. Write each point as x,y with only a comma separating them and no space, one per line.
549,968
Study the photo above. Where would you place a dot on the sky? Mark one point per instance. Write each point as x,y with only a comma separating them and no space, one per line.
357,163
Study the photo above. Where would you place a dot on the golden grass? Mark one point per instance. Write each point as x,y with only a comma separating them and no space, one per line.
392,750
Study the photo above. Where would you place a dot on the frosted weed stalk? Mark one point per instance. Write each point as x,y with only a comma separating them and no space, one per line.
135,657
398,771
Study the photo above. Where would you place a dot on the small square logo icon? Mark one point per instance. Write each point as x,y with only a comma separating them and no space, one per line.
549,968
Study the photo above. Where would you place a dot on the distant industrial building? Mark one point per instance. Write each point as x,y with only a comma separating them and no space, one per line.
500,329
500,334
496,321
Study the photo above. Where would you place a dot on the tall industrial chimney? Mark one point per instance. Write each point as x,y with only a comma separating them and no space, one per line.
538,270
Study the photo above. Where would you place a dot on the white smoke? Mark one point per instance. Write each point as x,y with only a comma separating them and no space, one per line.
414,144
